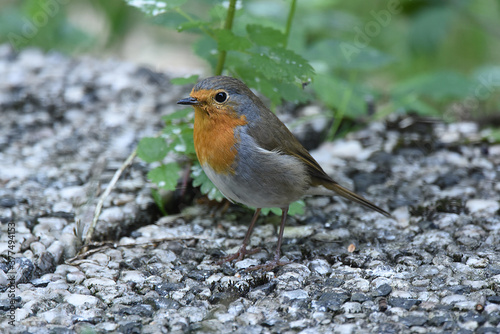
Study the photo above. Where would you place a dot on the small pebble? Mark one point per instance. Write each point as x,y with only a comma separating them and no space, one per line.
482,206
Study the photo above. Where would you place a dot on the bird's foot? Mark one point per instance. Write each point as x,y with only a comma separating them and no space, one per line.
239,255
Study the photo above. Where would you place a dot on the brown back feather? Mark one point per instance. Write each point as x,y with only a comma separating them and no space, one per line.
281,139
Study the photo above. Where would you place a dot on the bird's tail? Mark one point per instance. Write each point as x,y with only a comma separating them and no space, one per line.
355,197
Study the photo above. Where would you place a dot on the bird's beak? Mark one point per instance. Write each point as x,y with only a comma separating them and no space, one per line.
190,101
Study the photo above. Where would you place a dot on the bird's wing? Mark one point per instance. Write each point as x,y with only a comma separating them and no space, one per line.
282,140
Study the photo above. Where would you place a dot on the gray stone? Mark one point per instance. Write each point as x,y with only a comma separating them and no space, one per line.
320,267
68,125
295,294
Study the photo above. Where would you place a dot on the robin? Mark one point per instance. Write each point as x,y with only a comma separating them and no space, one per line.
252,157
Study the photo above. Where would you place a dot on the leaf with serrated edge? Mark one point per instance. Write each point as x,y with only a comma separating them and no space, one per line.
165,176
206,186
152,149
282,64
265,36
228,41
296,208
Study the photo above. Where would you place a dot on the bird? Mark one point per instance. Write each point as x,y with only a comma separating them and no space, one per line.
253,158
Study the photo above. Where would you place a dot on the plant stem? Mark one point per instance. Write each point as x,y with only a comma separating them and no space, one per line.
228,25
105,194
190,19
291,13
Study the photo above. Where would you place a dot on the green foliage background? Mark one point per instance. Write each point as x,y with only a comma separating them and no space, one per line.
437,58
424,56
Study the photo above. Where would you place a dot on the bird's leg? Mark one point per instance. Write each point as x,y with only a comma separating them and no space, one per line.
240,254
276,262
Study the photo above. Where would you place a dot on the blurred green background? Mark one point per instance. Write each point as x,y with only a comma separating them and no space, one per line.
439,58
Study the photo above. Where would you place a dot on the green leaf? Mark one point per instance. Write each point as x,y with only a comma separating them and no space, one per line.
183,143
181,114
296,208
267,211
152,149
165,176
184,81
292,92
180,137
265,36
158,200
274,89
439,86
201,180
282,64
155,7
172,20
488,81
264,64
206,48
337,54
413,103
21,27
492,135
429,28
292,63
257,80
172,130
228,41
218,13
188,25
333,92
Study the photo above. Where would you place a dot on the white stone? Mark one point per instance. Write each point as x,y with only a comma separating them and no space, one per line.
346,149
214,278
74,94
245,263
351,307
469,325
56,249
401,294
476,285
79,300
38,248
76,277
62,207
402,216
296,294
345,328
76,194
477,262
360,284
293,232
453,299
377,282
433,237
332,235
132,276
113,214
468,305
320,266
482,206
98,282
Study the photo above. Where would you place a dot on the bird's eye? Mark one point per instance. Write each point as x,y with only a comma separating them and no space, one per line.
221,97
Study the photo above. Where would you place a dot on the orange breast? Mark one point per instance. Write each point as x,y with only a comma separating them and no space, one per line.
214,139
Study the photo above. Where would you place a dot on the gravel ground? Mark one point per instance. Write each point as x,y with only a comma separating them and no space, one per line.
68,124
